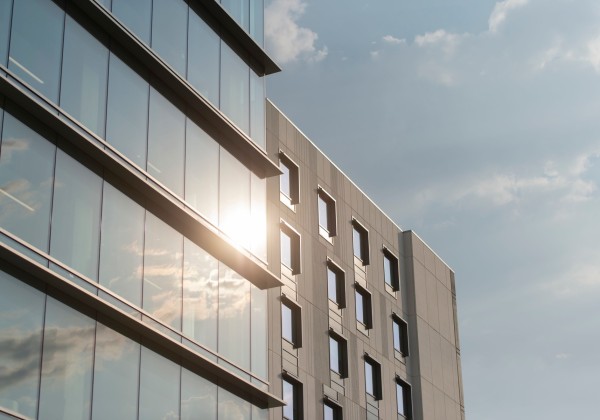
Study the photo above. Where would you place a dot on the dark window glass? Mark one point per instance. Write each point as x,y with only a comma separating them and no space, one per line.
116,375
84,77
360,307
258,210
203,60
122,245
202,172
334,355
36,44
5,13
390,271
234,199
26,178
257,109
369,378
166,142
257,9
163,271
287,323
159,387
400,333
232,406
239,11
127,114
234,317
169,32
258,319
136,15
21,321
396,333
335,285
67,363
200,295
235,88
198,397
286,250
75,234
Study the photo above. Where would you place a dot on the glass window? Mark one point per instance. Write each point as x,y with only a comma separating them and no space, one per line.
369,378
257,109
258,210
202,172
169,32
235,88
257,9
234,199
360,307
203,58
26,178
363,307
232,406
289,184
334,355
116,376
136,15
36,44
239,11
159,387
5,14
403,399
166,142
336,285
76,216
360,243
289,397
400,333
67,362
84,77
286,249
326,210
234,317
198,397
21,321
259,333
291,322
322,212
122,245
284,179
163,271
127,113
200,295
287,323
332,285
390,271
331,412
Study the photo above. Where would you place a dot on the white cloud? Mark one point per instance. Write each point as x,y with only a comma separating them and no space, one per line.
593,53
501,11
446,40
583,277
390,39
287,40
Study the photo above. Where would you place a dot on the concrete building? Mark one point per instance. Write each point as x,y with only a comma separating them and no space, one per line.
166,254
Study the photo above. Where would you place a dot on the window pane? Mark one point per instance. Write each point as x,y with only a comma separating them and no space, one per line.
232,407
323,222
258,224
5,12
356,242
288,397
116,375
234,317
67,363
235,88
387,270
369,386
400,399
203,61
159,387
238,9
202,172
21,321
284,180
286,250
84,77
76,216
360,307
332,285
258,336
122,245
234,199
36,44
287,326
26,178
198,397
257,8
169,32
166,142
163,271
136,15
200,295
257,109
334,355
127,114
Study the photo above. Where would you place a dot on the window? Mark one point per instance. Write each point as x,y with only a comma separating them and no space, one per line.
290,248
338,354
400,333
363,306
331,411
372,378
291,322
360,242
292,395
403,399
336,290
289,183
390,270
327,219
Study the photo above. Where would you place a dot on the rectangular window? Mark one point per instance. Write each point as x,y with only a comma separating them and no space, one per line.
403,399
331,411
360,242
290,248
400,333
289,183
327,219
372,378
336,290
391,271
363,306
338,355
291,322
292,395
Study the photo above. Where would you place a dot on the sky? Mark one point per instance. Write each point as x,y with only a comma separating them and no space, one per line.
475,123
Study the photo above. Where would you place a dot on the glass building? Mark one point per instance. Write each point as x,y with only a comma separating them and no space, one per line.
172,247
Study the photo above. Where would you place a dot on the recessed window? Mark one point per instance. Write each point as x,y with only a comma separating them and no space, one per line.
336,290
403,399
372,378
360,242
338,355
331,411
363,306
327,217
292,396
290,248
291,322
289,182
400,333
390,270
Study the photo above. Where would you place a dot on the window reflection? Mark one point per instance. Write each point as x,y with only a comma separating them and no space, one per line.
159,387
235,91
203,60
198,397
5,9
136,15
234,199
232,407
169,32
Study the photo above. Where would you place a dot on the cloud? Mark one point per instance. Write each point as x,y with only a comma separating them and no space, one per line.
501,11
287,40
390,39
446,40
593,53
582,278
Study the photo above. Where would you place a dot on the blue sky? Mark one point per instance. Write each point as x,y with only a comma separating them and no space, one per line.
475,123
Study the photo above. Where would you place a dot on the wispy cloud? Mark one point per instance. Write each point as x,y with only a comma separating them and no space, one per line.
446,40
390,39
501,11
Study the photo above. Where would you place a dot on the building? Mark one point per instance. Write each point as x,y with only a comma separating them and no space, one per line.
166,254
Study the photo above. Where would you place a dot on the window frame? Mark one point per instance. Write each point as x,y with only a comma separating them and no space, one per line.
406,399
296,321
293,198
394,281
295,250
340,283
363,235
297,396
335,407
403,350
376,378
366,305
342,355
329,231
